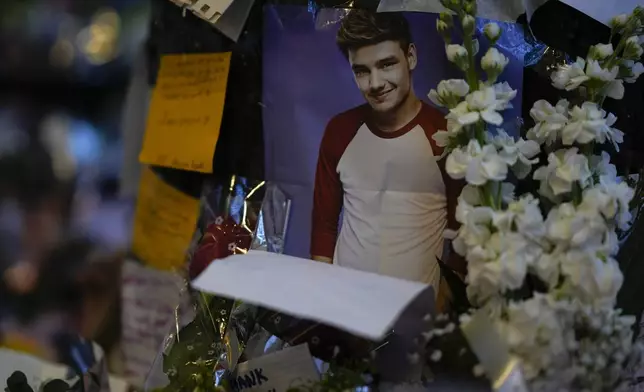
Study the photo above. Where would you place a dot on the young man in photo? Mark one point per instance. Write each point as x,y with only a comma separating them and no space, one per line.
379,167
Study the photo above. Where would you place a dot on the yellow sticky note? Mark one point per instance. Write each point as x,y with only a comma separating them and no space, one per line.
186,110
164,223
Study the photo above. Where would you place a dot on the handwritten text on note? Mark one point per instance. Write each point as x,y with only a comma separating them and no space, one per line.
276,372
149,300
186,110
164,223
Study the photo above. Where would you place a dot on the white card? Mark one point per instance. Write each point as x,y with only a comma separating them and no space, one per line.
276,372
149,300
363,303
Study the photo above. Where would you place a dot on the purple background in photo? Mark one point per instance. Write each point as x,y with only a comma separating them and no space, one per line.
307,81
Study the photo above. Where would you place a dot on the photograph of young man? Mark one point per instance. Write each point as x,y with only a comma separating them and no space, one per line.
378,166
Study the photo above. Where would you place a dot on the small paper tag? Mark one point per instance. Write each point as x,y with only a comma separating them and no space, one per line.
210,10
276,372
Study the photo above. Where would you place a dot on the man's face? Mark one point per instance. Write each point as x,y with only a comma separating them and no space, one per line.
383,73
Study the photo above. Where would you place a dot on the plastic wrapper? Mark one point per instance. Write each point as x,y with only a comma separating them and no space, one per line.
209,333
273,221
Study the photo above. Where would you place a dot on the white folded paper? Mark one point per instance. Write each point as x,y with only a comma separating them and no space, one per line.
362,303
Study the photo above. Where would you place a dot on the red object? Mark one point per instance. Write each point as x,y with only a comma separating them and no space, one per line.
221,239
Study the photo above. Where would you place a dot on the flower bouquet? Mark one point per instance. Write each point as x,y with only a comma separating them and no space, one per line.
541,263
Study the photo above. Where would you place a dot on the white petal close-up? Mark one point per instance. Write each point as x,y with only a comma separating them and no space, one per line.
594,70
476,164
492,31
570,76
493,60
484,104
549,120
591,279
455,52
636,69
566,167
603,50
449,92
519,154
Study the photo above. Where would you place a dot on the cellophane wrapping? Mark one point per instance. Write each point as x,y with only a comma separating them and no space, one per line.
210,333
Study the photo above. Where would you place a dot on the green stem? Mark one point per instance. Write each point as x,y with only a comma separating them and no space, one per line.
470,74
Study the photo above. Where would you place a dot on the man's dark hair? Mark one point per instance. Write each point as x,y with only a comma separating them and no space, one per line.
363,28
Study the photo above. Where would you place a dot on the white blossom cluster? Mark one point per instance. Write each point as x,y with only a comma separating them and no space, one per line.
553,249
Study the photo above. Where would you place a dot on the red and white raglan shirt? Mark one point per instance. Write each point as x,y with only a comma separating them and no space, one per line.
394,194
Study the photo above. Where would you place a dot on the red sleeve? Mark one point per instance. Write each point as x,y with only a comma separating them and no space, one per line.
328,192
433,120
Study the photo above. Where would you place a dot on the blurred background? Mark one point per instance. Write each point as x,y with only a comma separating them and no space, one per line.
64,73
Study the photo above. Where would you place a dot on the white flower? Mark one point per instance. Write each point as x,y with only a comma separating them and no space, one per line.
633,50
468,199
519,154
615,89
443,138
589,123
524,216
602,51
608,133
494,61
468,23
492,31
506,254
595,71
568,227
482,104
611,199
585,124
219,220
565,168
547,268
636,69
549,121
474,231
455,52
570,76
591,279
536,333
504,94
449,92
601,165
232,246
476,164
618,21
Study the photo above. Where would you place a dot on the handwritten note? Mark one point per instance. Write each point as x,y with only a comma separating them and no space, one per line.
186,110
276,372
164,223
149,298
362,303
